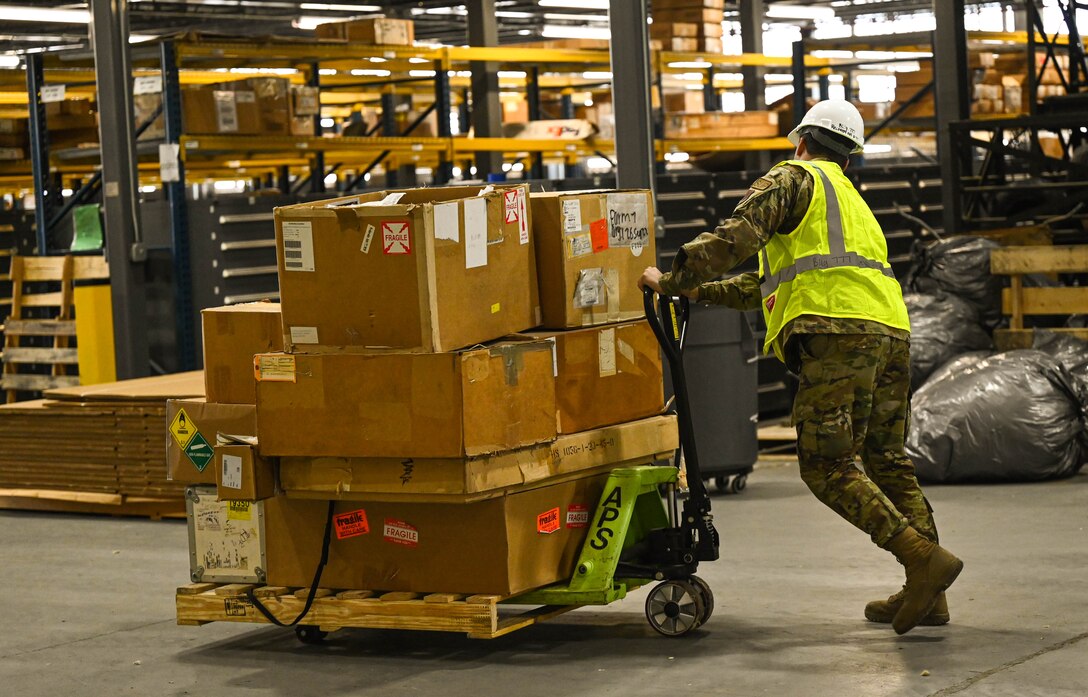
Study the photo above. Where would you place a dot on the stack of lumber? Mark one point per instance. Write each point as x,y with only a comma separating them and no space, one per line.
101,443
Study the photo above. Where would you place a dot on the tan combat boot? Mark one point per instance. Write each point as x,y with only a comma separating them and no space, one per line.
883,611
930,570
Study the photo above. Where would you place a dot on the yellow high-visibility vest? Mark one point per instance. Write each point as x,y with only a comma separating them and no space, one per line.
834,264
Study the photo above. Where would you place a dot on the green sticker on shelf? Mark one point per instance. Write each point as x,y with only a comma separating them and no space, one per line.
199,451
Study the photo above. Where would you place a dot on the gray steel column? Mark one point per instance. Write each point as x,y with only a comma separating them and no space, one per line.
951,92
630,53
751,41
125,250
483,30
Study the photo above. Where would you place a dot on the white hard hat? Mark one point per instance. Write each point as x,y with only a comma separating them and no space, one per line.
837,116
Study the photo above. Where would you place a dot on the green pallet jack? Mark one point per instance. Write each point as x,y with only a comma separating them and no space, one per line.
635,537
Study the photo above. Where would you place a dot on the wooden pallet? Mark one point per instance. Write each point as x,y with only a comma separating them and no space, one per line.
1019,301
777,440
86,502
478,616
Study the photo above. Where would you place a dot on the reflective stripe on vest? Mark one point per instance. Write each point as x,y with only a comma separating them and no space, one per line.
836,243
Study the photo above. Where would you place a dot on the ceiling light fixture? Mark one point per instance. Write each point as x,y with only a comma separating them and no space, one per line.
583,4
47,14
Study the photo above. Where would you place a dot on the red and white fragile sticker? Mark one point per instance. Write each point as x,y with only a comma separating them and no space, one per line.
396,237
523,218
577,515
548,521
351,524
400,533
510,201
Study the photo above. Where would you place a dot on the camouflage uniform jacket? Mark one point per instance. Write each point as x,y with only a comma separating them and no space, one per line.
776,204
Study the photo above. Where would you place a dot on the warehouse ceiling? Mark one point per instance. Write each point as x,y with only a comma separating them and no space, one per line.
54,24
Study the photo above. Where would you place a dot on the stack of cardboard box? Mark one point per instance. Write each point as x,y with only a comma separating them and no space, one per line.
687,25
71,122
399,377
13,139
378,30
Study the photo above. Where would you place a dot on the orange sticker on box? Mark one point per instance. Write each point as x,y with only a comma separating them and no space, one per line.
351,524
577,515
598,233
548,521
400,533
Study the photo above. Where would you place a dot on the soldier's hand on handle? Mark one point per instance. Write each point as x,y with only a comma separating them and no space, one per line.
650,278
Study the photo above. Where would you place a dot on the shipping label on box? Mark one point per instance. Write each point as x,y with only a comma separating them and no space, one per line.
425,269
241,474
226,538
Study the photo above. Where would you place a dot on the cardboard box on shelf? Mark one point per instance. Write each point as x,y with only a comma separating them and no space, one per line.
698,15
233,334
505,545
710,30
709,44
72,122
591,248
193,426
470,479
68,107
301,126
668,30
241,474
144,105
8,154
273,107
14,126
458,404
553,129
719,124
207,110
687,102
383,31
681,44
305,101
605,375
424,269
688,4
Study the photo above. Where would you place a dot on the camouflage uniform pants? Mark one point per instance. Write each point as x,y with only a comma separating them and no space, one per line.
853,400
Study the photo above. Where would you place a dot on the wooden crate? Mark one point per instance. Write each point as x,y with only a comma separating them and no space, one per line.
478,616
1018,301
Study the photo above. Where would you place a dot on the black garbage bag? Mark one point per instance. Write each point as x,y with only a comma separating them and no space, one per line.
942,327
960,266
1070,351
1014,417
960,362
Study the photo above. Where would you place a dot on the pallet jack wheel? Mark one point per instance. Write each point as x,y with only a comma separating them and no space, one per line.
708,597
738,484
309,634
721,483
674,608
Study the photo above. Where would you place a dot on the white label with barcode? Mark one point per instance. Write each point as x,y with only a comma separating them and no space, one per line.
298,245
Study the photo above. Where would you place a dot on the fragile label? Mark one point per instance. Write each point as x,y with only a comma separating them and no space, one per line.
367,239
523,218
232,472
580,245
396,237
182,429
400,533
606,345
298,245
628,221
548,521
598,233
239,510
510,204
572,216
304,335
577,515
351,524
274,368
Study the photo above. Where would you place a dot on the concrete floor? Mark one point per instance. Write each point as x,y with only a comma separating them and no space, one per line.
89,611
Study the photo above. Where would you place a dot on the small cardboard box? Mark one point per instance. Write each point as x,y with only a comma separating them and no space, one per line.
668,30
465,480
305,101
233,335
505,545
470,402
606,375
206,110
591,248
383,31
243,475
193,426
424,269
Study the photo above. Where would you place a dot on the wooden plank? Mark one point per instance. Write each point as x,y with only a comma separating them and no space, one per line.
398,596
16,354
303,593
1023,236
271,591
234,589
37,383
483,599
442,598
778,433
43,300
152,508
42,268
1015,302
1045,301
470,618
40,327
195,588
89,268
193,623
355,595
525,619
1009,339
1041,259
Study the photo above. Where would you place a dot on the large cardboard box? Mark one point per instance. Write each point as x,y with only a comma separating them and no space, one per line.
606,375
144,105
243,475
471,402
591,249
193,427
273,107
425,269
463,480
506,545
233,335
207,110
380,30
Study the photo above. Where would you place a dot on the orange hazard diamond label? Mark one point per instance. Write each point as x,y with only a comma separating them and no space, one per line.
351,524
396,237
548,521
